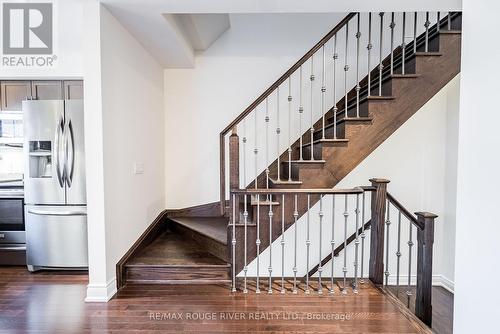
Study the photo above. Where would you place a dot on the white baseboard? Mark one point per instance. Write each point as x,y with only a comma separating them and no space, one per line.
437,280
101,293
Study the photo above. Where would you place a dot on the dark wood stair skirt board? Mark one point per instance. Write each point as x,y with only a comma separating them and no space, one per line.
172,258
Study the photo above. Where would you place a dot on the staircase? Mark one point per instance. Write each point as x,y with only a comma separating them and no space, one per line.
194,245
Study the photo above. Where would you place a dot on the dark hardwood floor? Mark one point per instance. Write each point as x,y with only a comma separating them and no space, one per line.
53,302
442,307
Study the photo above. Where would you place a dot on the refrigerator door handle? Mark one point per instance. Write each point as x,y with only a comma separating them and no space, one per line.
57,150
70,153
42,212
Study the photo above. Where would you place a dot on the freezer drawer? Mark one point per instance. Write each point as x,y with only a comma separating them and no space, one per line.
56,236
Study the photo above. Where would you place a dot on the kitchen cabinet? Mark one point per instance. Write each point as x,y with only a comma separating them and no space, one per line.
12,93
46,90
73,90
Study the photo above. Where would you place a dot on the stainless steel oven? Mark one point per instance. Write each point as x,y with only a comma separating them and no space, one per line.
12,225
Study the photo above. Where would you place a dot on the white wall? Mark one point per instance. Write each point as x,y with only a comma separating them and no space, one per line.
68,37
477,257
421,170
129,128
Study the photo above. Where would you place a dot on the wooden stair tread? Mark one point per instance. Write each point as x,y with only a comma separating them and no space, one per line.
306,162
211,227
171,250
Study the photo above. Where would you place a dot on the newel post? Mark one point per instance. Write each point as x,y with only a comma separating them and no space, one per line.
379,199
234,167
425,241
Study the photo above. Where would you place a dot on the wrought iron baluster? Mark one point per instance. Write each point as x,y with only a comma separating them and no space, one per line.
369,48
295,217
270,268
257,244
267,144
335,109
403,45
398,253
358,35
344,268
410,246
381,65
391,26
438,21
415,20
387,224
346,67
449,20
332,243
289,129
362,277
283,243
245,221
256,150
323,90
233,244
278,130
356,246
311,78
320,266
426,25
308,242
301,111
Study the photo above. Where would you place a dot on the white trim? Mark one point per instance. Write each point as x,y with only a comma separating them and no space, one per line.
101,293
437,280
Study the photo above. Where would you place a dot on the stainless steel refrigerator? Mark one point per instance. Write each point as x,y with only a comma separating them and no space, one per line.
54,184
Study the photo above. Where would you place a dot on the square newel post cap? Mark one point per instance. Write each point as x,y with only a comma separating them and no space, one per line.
379,180
426,215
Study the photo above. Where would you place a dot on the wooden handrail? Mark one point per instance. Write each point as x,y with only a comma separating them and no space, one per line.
327,191
404,211
263,96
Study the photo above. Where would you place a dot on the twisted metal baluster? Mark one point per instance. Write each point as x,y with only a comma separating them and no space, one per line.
410,245
426,25
311,78
257,244
335,109
398,253
267,144
369,48
344,269
332,243
403,45
449,20
358,35
295,217
391,26
233,244
308,242
245,220
278,130
323,90
283,243
438,21
346,67
320,266
301,111
356,246
270,268
289,129
388,224
362,277
381,65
